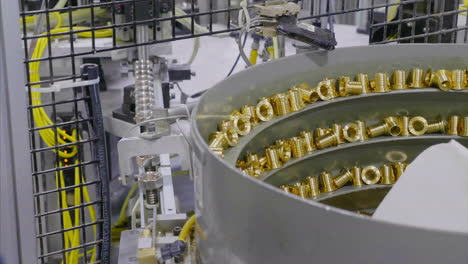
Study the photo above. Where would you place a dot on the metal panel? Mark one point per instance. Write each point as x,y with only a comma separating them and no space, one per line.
17,243
244,220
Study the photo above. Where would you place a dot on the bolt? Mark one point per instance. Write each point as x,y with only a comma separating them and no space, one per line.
176,230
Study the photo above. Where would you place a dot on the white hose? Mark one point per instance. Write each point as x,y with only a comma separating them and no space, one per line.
275,47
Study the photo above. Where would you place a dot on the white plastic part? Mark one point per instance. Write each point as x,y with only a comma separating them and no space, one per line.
433,191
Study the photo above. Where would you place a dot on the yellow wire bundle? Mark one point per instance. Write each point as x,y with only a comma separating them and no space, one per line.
49,136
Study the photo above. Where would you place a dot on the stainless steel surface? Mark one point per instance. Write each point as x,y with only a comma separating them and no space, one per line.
244,220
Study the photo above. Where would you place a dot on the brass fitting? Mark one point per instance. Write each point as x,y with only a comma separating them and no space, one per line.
464,127
458,80
263,163
280,104
309,95
356,172
398,169
232,137
218,151
429,78
284,150
354,88
273,161
264,110
295,100
453,125
443,80
417,78
362,129
417,125
249,110
364,80
326,89
240,164
370,175
394,128
399,80
225,125
302,190
217,140
381,83
326,179
252,171
342,81
436,127
308,138
241,124
253,160
318,132
338,130
285,188
387,175
343,178
328,140
352,132
404,126
377,130
313,186
297,146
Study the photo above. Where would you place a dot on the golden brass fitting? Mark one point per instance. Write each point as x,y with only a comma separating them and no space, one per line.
352,132
285,188
387,175
295,100
398,169
338,130
309,95
328,140
399,80
453,125
313,186
417,78
252,171
218,151
249,110
381,83
436,127
240,164
464,127
264,110
458,80
284,150
326,89
225,125
217,140
342,81
343,178
394,128
308,138
326,179
302,86
364,80
370,175
253,160
232,137
377,130
280,104
356,173
417,125
241,124
403,121
303,190
318,132
294,190
354,88
273,161
263,163
443,80
297,146
362,129
429,78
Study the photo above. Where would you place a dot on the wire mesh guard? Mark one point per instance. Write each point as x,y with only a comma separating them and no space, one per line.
65,133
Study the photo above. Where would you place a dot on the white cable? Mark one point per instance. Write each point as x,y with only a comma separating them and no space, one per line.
196,47
275,47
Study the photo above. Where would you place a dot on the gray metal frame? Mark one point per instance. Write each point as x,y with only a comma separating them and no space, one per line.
17,232
244,220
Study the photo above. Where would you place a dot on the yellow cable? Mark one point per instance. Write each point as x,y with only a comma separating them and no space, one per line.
184,233
253,56
127,199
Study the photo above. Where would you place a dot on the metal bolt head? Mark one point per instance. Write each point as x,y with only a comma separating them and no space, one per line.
143,160
151,180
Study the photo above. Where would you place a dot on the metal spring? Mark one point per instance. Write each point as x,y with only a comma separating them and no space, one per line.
144,90
152,196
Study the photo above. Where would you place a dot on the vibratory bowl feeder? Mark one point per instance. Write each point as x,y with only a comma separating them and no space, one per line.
292,157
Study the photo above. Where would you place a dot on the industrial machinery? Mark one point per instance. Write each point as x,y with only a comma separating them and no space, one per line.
110,155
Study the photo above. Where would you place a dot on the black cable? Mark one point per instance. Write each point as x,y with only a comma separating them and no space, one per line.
238,56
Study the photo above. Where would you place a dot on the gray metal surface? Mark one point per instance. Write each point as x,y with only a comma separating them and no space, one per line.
244,220
17,243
